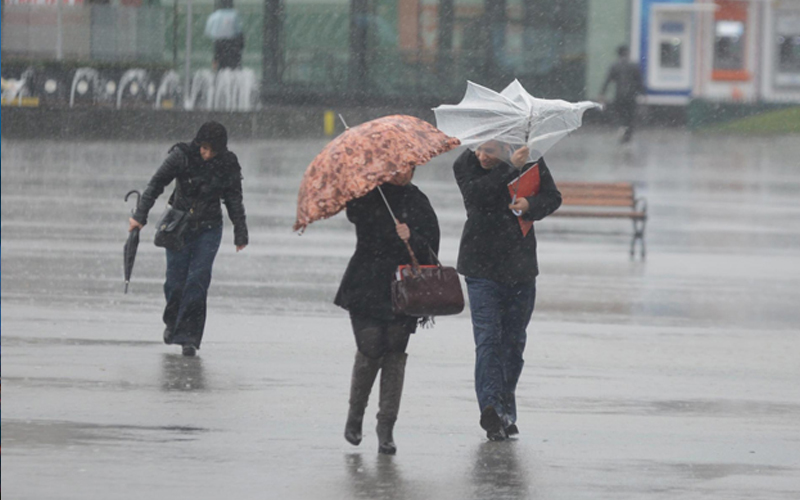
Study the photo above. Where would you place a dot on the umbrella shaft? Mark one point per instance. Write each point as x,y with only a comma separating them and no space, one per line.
387,204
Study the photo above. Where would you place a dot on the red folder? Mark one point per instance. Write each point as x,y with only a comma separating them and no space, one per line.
523,186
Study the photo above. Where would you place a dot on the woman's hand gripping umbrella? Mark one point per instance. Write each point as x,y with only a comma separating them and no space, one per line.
129,252
362,158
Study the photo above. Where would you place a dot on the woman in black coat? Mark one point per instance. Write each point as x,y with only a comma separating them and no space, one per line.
381,336
206,173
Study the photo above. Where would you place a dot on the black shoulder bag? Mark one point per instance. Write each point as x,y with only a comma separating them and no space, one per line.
171,228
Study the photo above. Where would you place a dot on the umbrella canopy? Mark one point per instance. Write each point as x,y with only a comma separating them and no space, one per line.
362,158
129,252
512,116
223,23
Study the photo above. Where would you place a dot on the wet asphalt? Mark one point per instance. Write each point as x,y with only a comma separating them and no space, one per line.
673,377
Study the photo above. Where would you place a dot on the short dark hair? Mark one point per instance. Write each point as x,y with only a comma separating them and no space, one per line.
623,51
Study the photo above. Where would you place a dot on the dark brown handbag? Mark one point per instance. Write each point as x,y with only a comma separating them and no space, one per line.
421,291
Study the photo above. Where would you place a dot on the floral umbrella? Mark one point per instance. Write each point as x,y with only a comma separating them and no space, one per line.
363,158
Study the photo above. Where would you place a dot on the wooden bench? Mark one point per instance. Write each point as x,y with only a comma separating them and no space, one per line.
605,200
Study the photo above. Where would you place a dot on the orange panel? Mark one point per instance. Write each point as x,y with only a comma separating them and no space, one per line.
731,75
731,10
408,24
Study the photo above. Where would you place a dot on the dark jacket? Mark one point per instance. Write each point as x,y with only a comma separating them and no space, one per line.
492,245
627,81
228,52
199,187
366,285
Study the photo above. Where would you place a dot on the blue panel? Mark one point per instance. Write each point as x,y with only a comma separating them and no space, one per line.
645,40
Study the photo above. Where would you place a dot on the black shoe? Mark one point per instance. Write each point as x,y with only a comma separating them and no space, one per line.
189,350
498,435
512,430
493,424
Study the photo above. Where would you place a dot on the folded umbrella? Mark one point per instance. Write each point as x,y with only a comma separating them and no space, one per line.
362,158
129,252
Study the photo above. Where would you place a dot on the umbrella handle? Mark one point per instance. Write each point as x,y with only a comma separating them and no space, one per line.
138,197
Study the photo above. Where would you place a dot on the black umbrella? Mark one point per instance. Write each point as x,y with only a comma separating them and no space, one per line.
131,245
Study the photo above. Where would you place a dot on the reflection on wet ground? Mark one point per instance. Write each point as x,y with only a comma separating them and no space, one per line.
49,433
670,378
179,373
500,473
379,480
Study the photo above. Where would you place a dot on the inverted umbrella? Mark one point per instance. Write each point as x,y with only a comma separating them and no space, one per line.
512,116
129,252
362,158
223,23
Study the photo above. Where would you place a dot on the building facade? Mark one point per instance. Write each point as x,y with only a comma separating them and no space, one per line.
718,50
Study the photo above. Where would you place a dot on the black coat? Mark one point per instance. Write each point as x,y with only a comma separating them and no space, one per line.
366,286
228,52
199,188
492,244
628,81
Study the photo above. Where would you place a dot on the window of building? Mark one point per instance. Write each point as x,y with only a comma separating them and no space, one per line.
729,45
787,47
730,41
671,53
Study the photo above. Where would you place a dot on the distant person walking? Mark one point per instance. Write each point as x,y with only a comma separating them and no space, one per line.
365,291
627,79
498,261
205,173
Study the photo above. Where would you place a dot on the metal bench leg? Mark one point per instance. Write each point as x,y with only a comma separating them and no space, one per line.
633,241
638,234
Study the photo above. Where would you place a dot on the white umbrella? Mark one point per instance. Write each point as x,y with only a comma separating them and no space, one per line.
223,23
512,116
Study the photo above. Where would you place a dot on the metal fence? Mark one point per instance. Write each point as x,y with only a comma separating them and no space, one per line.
315,49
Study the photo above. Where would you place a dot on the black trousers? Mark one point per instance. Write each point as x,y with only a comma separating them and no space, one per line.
376,337
625,109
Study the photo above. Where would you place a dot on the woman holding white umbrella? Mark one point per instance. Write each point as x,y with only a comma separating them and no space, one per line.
506,185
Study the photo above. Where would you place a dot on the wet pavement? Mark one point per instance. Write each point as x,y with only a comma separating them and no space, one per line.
670,378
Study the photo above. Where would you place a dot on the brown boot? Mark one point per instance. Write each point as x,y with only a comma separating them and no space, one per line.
392,375
364,372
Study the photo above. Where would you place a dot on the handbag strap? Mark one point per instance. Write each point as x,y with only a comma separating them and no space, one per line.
434,257
414,261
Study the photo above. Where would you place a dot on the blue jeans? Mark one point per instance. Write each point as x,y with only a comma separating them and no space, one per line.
500,315
186,287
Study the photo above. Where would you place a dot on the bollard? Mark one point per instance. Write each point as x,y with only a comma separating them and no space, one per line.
329,123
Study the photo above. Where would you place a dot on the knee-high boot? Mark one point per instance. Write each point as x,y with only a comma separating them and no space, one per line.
364,372
392,375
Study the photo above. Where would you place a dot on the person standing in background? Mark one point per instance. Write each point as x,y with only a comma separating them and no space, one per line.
225,27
